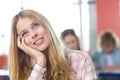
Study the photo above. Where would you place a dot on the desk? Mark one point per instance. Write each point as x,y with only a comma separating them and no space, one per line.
109,75
4,74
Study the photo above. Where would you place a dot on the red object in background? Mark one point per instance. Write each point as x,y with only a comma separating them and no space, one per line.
3,61
1,78
108,16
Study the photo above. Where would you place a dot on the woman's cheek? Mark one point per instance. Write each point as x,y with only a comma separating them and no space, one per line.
27,41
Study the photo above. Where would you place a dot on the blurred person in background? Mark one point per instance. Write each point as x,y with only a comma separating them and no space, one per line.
70,39
109,57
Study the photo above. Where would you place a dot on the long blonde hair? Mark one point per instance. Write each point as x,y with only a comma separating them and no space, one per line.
20,63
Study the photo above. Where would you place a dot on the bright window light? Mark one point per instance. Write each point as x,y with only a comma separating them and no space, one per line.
85,26
62,14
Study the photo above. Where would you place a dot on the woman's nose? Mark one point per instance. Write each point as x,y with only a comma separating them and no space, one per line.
34,35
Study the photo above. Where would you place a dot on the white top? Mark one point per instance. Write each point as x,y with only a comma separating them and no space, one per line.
109,59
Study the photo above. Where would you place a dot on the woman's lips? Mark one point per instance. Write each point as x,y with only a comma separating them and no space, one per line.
39,41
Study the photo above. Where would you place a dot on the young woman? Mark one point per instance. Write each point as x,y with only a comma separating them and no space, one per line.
36,54
70,39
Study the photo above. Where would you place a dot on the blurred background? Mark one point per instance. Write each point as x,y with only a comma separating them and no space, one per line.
87,17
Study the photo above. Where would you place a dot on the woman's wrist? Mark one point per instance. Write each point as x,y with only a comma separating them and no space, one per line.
40,63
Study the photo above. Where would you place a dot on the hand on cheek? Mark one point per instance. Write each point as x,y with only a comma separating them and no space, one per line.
19,43
37,55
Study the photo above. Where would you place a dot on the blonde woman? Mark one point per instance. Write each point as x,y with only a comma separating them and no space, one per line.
36,54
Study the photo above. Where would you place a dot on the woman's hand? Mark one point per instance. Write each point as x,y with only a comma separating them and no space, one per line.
39,57
96,65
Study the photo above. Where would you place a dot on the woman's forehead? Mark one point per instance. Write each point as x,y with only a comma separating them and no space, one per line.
23,23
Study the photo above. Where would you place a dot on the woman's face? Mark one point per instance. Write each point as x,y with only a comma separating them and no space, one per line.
34,34
108,48
71,42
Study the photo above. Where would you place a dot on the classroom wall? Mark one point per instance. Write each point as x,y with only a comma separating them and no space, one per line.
108,16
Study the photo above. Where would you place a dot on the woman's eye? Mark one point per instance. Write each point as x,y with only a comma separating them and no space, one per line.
36,25
24,34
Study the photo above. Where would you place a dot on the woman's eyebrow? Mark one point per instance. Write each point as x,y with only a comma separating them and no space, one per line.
21,32
33,23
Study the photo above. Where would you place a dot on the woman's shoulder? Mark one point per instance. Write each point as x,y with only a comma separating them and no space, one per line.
77,59
76,54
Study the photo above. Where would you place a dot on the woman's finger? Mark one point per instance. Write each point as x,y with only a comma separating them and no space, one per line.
28,50
19,43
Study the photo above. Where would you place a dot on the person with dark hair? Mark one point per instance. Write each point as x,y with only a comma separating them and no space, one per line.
108,58
70,39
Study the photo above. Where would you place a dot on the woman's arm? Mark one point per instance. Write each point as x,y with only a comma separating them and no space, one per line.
114,67
38,73
88,70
